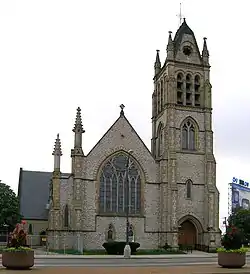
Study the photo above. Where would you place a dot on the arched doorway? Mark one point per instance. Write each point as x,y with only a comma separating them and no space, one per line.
187,234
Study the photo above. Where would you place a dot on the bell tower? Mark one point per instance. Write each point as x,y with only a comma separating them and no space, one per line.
182,139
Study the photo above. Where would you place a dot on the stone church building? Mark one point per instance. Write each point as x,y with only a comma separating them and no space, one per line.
172,194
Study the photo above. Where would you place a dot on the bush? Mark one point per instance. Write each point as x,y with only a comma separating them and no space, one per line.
232,239
18,238
117,248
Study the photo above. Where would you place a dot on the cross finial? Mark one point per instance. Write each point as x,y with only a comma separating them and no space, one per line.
180,16
122,107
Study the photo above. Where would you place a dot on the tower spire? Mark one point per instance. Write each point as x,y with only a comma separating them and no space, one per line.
57,153
170,46
78,130
78,123
157,65
205,52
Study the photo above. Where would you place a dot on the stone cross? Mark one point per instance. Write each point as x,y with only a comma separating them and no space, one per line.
122,107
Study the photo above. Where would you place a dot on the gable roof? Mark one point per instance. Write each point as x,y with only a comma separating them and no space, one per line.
122,116
33,193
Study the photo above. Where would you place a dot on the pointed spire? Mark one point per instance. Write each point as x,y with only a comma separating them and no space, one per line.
57,153
170,46
78,123
57,148
157,65
205,52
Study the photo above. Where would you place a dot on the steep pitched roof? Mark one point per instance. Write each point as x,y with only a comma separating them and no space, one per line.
33,193
183,29
122,116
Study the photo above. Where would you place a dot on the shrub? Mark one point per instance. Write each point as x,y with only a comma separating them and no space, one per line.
18,238
232,239
117,248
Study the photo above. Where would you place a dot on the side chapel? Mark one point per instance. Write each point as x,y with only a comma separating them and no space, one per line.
173,196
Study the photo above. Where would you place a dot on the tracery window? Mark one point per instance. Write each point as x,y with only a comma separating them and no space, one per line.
188,136
117,172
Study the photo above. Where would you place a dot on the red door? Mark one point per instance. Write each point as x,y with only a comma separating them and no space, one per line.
187,234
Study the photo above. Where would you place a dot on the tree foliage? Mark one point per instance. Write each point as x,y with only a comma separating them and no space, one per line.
241,219
9,208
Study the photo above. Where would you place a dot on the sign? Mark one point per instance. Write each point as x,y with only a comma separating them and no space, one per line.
240,182
240,196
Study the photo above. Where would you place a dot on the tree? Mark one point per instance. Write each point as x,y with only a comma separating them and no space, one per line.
241,219
9,208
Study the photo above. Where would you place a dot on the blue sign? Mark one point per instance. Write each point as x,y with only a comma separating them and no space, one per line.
240,182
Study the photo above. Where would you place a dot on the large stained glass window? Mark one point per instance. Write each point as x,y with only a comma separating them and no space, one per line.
116,173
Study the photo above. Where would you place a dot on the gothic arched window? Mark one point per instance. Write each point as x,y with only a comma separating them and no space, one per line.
179,86
116,173
162,96
197,90
66,216
188,189
188,90
188,135
160,140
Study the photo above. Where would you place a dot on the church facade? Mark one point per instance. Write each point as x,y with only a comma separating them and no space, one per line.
169,192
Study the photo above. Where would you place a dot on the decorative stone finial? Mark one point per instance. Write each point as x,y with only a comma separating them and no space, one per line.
57,148
122,111
205,52
78,123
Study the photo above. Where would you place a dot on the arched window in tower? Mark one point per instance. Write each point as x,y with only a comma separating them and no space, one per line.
197,91
158,98
118,172
66,216
188,90
180,89
162,95
160,140
188,136
188,189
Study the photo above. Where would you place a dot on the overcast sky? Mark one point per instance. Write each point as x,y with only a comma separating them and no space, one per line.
58,55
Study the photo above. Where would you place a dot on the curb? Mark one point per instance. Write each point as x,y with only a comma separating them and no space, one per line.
103,257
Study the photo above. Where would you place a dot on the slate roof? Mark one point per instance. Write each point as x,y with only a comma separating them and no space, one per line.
183,29
33,193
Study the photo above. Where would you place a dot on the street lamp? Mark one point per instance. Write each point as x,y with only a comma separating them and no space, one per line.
127,249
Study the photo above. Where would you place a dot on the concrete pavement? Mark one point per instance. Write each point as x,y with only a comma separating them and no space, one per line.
207,269
84,261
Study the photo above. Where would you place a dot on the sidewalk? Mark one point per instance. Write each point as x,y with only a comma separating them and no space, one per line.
134,270
166,256
61,256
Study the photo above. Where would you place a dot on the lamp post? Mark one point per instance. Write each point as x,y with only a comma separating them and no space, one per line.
127,249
